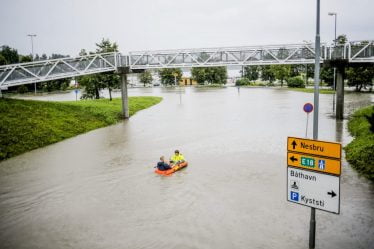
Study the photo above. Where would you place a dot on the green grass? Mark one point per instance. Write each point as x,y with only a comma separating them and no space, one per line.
27,125
360,152
310,90
211,86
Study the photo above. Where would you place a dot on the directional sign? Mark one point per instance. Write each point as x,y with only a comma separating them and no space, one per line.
314,163
321,191
314,147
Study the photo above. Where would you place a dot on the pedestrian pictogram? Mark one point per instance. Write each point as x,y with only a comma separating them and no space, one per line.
315,163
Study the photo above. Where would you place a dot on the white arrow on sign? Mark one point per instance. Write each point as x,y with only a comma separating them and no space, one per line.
313,189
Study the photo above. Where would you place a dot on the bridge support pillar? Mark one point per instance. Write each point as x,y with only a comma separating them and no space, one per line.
339,112
123,71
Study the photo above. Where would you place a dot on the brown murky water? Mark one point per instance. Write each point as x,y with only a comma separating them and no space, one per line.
98,190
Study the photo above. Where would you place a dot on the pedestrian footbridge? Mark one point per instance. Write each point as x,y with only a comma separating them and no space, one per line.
39,71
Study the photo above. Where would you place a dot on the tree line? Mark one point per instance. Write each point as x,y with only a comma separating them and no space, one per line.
202,75
10,55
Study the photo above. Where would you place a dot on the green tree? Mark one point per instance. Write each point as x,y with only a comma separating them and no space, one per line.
58,56
282,53
242,82
309,71
94,83
146,77
108,79
10,54
55,85
360,77
341,39
281,72
105,46
170,76
327,75
295,82
25,58
198,74
83,52
267,74
213,75
2,60
296,70
252,72
91,86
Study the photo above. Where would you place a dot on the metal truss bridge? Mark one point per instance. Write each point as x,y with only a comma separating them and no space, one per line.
39,71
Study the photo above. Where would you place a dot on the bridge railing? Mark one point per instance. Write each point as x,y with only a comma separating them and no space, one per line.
205,57
39,71
360,51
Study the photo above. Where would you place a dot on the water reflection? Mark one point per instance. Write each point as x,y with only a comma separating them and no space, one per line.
339,130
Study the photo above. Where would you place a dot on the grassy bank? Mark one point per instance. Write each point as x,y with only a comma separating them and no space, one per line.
27,125
360,152
310,90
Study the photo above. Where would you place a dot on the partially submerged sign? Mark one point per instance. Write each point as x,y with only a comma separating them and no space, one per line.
321,191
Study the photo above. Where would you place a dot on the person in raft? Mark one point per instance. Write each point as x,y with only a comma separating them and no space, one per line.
162,165
177,158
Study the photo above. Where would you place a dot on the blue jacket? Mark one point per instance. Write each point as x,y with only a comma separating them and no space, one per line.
163,166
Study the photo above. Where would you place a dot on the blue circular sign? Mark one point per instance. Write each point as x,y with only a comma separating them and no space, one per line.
76,91
308,107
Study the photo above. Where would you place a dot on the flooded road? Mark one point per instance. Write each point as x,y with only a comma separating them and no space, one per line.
98,190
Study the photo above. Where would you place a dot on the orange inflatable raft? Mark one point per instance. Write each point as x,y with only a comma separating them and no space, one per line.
172,170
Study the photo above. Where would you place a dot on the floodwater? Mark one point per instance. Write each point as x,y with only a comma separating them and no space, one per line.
98,190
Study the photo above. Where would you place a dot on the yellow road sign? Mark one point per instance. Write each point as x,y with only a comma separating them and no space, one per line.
314,147
314,163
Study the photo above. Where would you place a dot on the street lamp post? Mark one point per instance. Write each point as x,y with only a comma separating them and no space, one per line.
335,15
32,51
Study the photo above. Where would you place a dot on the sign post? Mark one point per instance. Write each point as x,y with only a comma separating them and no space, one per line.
312,229
76,94
308,108
313,176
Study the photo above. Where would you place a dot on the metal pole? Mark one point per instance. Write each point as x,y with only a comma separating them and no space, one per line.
335,47
336,16
312,229
306,129
32,52
316,75
180,95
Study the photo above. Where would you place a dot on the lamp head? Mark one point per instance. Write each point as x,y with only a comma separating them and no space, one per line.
332,13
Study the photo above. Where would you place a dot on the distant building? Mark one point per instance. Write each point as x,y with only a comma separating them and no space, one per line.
187,81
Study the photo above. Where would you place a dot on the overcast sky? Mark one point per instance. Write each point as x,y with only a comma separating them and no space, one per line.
66,26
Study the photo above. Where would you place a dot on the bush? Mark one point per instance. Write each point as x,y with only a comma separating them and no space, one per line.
242,82
360,152
296,82
22,89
